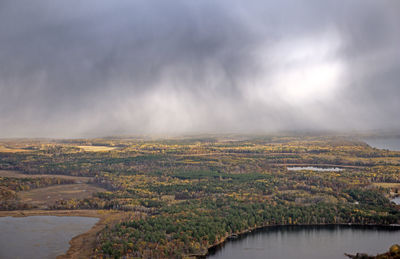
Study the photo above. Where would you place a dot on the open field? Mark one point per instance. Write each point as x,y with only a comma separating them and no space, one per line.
16,174
12,150
388,185
96,148
48,196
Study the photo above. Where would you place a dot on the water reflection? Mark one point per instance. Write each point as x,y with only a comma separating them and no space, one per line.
40,236
317,169
329,242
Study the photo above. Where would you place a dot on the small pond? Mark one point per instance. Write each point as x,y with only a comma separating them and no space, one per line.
313,168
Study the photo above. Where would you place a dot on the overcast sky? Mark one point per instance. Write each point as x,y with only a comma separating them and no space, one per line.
81,68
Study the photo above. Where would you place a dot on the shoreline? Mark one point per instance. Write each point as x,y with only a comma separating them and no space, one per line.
82,245
243,233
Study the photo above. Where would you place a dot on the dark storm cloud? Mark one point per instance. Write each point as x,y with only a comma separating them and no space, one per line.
95,67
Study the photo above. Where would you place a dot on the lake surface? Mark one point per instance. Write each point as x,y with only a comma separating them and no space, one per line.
384,143
313,168
40,236
328,242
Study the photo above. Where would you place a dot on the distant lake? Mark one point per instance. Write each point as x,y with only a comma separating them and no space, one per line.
313,168
40,236
384,143
311,242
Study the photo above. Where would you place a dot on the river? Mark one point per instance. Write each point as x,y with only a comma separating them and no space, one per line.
40,236
311,242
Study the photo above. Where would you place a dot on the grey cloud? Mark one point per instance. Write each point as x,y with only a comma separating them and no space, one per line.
87,68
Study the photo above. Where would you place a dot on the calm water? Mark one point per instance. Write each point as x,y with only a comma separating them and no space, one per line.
328,242
384,143
40,236
318,169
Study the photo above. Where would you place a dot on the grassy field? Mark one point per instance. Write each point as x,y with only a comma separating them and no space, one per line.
96,148
4,149
387,185
44,197
16,174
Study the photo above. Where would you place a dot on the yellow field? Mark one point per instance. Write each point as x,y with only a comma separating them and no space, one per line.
96,148
11,150
387,185
16,174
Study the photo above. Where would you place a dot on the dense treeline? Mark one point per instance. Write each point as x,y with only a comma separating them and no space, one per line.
192,227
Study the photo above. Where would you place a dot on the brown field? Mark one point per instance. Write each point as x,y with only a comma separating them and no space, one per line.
16,174
43,197
96,148
387,185
12,150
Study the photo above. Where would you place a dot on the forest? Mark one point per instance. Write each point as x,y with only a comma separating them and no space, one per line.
185,195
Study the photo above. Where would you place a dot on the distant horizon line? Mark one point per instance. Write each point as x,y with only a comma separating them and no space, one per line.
153,136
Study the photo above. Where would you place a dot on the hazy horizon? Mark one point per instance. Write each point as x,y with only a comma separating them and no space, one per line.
97,68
